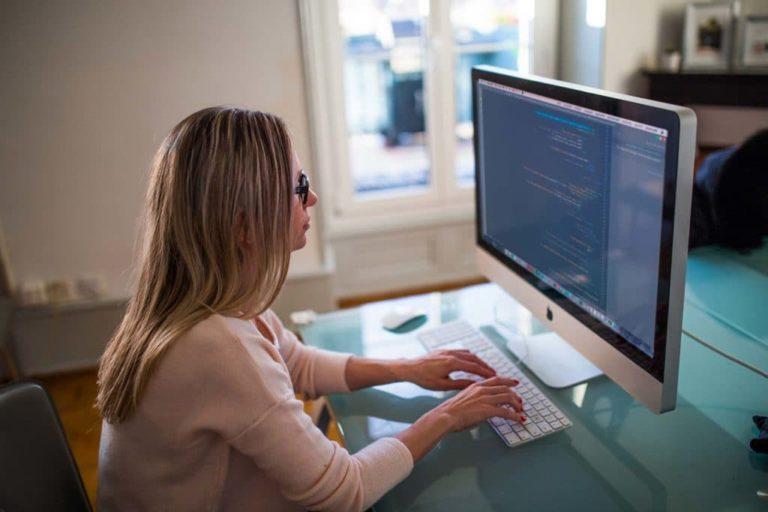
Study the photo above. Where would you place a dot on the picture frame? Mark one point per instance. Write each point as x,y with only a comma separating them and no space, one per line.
708,35
753,50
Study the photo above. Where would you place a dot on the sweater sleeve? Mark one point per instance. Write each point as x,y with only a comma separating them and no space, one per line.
315,472
313,371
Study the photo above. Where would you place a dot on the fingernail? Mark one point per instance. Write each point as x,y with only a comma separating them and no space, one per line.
522,418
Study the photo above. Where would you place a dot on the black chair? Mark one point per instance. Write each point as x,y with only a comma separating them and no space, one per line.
37,469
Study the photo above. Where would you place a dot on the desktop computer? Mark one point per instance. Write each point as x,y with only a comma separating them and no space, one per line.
583,208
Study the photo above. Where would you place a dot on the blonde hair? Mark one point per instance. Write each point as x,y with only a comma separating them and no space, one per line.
222,177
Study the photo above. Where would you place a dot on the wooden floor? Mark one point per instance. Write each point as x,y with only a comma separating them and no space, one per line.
74,395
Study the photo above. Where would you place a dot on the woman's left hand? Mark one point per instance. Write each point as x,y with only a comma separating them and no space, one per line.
433,370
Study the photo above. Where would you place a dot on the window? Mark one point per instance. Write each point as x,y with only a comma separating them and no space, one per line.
384,57
496,32
390,95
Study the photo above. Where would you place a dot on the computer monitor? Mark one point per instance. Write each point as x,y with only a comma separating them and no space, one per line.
583,207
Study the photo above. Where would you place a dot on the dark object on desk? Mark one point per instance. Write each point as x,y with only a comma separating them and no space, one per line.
730,197
39,472
760,443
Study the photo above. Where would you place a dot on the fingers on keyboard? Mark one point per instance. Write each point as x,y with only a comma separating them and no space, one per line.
537,415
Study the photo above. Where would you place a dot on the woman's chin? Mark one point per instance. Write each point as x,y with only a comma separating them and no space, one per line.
299,243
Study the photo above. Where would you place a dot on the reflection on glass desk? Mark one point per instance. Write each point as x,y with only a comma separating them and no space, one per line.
617,455
726,294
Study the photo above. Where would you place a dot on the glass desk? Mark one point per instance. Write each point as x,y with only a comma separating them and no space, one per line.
617,455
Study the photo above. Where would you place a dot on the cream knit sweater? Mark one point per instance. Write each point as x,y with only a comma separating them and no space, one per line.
218,428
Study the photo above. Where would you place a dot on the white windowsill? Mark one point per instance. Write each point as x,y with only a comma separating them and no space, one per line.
342,227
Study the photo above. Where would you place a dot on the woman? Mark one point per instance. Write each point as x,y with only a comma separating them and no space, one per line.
197,386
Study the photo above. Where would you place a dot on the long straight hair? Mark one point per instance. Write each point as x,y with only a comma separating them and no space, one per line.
216,240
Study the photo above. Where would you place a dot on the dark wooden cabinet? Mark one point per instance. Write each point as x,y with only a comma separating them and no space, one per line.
727,89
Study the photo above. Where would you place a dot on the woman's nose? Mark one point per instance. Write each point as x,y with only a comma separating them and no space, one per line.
312,198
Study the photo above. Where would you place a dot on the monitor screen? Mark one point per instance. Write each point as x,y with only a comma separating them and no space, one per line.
571,197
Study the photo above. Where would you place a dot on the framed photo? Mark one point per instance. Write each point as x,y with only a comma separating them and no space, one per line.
708,36
754,44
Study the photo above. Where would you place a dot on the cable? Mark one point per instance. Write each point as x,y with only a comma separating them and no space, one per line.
726,355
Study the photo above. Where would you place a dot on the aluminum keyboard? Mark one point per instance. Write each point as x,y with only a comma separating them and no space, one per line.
543,417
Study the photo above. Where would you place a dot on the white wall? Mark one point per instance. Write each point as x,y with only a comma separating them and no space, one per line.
581,46
635,33
89,88
87,91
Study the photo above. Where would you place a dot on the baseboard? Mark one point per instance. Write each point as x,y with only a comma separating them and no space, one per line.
56,340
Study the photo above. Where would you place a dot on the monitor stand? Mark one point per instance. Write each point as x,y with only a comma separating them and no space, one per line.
552,360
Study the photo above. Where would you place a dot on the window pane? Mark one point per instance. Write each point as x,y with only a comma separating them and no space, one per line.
384,95
492,32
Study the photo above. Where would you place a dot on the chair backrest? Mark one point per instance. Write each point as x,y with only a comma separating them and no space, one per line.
37,467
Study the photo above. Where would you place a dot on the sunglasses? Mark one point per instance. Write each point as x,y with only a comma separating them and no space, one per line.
302,189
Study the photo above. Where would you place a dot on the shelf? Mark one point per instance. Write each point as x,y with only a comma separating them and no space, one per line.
709,88
69,307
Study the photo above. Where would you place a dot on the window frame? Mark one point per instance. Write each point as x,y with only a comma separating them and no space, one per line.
445,201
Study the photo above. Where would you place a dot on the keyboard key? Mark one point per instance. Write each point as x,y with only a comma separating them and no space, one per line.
524,436
504,428
533,430
545,427
512,438
556,424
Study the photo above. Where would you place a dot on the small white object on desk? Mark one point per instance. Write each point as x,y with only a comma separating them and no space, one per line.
304,317
399,316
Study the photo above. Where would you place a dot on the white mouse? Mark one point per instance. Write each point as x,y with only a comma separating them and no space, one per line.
399,316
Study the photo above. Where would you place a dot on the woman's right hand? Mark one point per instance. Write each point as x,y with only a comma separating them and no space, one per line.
480,401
